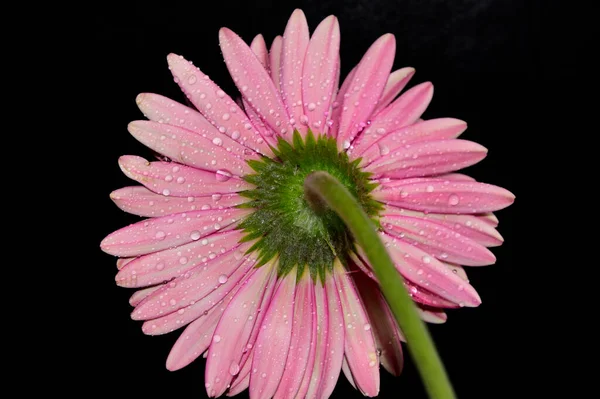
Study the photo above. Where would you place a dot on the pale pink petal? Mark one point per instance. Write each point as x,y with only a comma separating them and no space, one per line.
165,265
138,200
121,262
319,75
315,312
273,341
190,287
189,148
164,110
275,60
445,196
334,346
428,273
385,329
234,329
376,143
489,218
458,270
365,89
337,105
156,234
300,344
469,226
395,83
215,104
455,177
259,48
427,158
241,383
432,315
438,240
359,345
319,342
254,82
195,339
142,294
184,182
295,42
172,321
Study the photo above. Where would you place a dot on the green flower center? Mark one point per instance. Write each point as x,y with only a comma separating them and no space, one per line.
286,224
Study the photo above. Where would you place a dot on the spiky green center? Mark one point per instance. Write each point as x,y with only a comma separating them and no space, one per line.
287,225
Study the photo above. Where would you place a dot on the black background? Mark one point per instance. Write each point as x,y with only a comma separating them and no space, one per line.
490,62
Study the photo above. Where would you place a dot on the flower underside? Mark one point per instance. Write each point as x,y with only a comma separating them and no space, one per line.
288,225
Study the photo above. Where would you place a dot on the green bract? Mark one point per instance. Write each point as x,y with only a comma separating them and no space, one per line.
288,226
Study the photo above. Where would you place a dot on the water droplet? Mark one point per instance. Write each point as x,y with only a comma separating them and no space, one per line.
312,106
234,369
195,235
429,189
226,117
166,192
168,178
223,175
192,79
160,266
383,149
216,197
453,199
217,141
367,327
222,279
204,242
180,179
372,363
346,144
172,302
183,260
235,135
220,93
461,287
426,259
380,130
264,375
160,235
420,271
216,338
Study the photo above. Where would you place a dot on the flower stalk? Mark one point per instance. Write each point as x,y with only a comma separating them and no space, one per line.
324,187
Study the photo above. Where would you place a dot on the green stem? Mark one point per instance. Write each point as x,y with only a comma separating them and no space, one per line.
420,344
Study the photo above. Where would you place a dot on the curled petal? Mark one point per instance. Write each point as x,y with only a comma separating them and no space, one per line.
275,60
156,234
259,48
432,315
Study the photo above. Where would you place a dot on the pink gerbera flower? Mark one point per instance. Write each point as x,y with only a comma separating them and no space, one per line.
276,295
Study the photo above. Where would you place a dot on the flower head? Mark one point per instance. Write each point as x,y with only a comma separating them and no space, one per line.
273,290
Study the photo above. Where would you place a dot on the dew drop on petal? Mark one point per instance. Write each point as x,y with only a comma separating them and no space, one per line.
223,175
367,327
426,259
195,235
453,200
234,368
216,338
217,141
222,279
160,266
160,235
192,79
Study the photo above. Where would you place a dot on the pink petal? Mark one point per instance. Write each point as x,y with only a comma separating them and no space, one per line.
438,240
395,83
489,218
319,342
156,234
469,226
185,182
428,158
253,82
259,48
376,143
337,105
143,202
195,339
359,345
315,311
320,70
385,329
194,285
215,104
121,262
367,85
234,329
454,177
164,110
458,270
427,272
189,148
347,372
273,341
165,265
241,383
445,196
142,294
275,60
303,323
405,111
432,315
295,43
334,346
172,321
